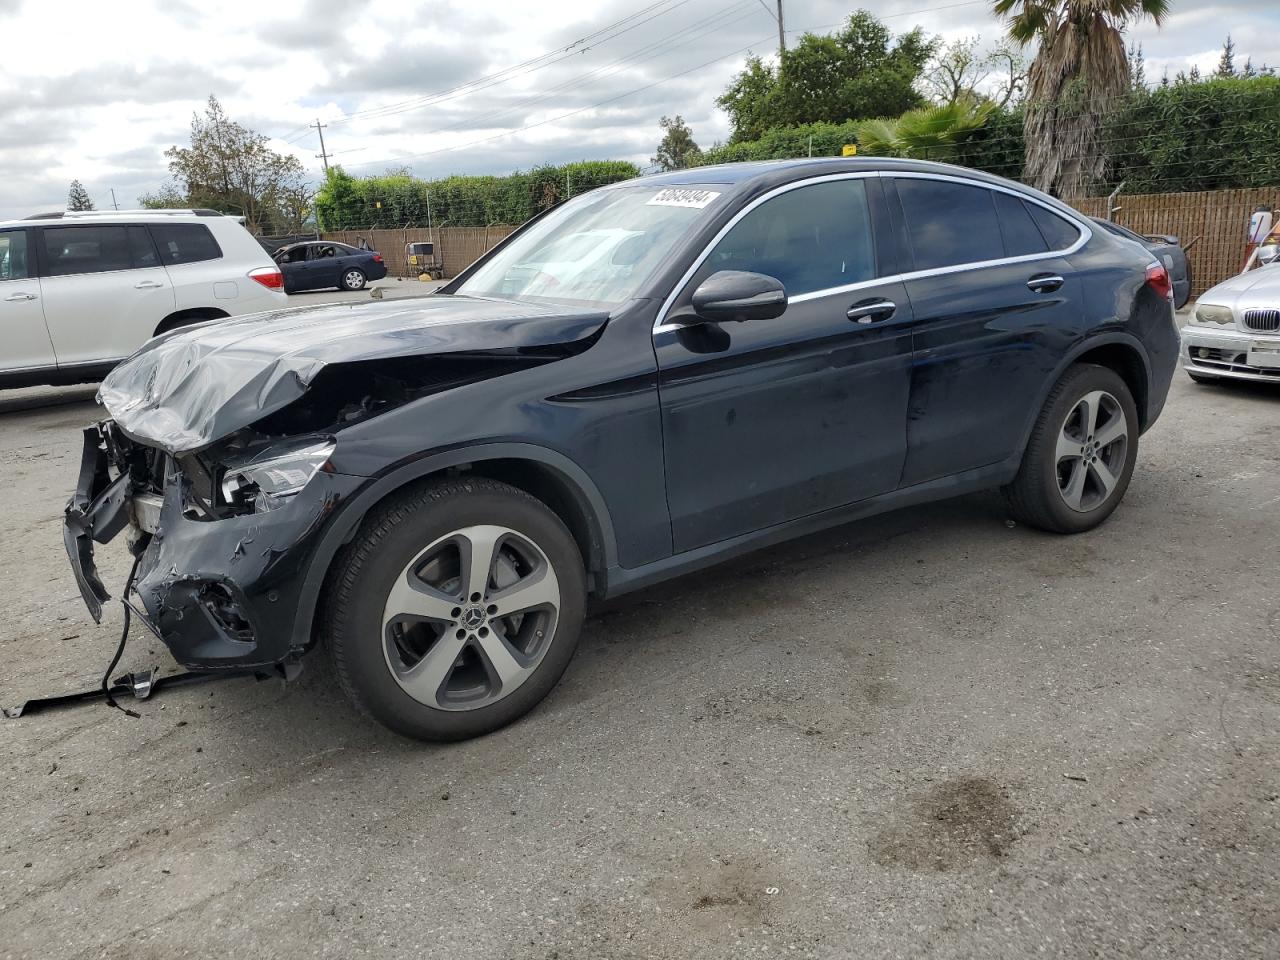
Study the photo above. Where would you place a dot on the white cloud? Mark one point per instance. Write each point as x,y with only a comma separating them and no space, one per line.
97,91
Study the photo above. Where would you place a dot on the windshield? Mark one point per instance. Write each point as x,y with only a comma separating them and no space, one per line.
596,249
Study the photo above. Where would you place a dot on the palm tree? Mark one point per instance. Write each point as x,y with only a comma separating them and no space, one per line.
1079,71
929,133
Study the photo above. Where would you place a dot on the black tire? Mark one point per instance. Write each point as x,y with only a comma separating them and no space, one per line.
352,279
1203,378
1036,497
389,540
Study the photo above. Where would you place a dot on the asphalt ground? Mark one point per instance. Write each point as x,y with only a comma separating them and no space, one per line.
931,734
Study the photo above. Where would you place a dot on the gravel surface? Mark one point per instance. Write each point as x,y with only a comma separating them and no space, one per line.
931,734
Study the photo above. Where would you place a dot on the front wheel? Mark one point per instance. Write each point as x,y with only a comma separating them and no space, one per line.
1081,454
456,609
353,280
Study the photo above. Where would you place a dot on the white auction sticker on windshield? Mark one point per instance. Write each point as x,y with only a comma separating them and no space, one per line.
683,197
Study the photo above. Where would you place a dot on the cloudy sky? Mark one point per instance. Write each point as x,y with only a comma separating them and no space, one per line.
97,91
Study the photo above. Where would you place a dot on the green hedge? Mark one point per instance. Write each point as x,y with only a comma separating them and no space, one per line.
397,200
1214,135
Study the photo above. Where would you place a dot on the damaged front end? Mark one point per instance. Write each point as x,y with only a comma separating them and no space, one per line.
221,537
219,457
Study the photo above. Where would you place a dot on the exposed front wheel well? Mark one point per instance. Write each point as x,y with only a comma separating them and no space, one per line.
1127,363
183,318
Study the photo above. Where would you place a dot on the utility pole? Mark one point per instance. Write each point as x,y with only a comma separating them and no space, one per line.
113,198
782,40
325,156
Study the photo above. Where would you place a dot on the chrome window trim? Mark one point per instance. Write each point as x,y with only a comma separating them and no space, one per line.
1086,234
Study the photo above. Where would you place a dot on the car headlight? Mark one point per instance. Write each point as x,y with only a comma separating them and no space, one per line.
1211,313
270,477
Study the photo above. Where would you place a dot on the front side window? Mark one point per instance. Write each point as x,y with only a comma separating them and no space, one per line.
812,238
72,250
185,243
596,249
13,255
950,223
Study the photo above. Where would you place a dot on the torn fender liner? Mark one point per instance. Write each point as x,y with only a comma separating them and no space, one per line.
189,388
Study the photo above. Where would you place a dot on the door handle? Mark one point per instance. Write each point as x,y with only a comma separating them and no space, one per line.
871,311
1045,283
148,285
20,297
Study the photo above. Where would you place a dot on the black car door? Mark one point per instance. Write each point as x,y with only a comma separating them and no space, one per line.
996,307
770,420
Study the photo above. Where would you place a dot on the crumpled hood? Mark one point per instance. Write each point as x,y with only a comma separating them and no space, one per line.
187,389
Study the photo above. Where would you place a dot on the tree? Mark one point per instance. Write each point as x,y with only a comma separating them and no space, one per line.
1137,68
959,70
1227,63
167,197
929,133
231,169
1077,76
857,73
677,149
78,197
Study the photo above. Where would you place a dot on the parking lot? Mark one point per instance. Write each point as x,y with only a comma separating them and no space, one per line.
931,734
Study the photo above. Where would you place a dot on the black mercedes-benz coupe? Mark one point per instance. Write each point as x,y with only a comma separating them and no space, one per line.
639,382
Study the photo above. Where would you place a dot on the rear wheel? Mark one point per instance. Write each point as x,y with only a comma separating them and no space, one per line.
456,609
353,279
1081,454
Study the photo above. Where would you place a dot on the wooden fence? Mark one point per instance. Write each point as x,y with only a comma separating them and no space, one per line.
1212,223
459,246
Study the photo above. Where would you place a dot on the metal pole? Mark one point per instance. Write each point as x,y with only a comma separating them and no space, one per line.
323,154
567,194
782,40
1112,209
113,198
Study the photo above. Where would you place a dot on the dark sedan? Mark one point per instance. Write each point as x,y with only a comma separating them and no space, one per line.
1168,250
644,380
321,264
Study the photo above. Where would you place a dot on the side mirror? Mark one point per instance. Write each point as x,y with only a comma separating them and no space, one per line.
735,295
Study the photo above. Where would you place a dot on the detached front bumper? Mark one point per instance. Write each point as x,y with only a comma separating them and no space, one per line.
1226,352
219,593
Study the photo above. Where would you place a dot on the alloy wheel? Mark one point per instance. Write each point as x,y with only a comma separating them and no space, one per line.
353,279
470,618
1092,446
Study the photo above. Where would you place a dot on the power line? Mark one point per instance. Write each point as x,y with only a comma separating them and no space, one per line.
696,30
571,113
579,46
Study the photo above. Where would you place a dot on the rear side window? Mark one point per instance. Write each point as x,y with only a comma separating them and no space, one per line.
811,238
72,250
950,223
1021,235
185,243
13,255
1057,232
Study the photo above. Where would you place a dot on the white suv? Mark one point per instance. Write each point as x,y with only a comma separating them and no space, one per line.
81,291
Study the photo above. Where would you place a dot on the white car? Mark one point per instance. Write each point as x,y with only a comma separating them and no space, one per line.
79,292
1235,330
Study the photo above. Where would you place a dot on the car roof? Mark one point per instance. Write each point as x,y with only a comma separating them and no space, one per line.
747,176
59,218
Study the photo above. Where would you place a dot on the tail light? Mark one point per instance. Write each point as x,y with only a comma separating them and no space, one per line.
377,258
1158,279
269,277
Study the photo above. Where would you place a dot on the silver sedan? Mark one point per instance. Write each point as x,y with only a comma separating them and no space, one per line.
1235,331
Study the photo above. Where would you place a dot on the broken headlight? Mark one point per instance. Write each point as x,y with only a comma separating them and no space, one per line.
269,478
